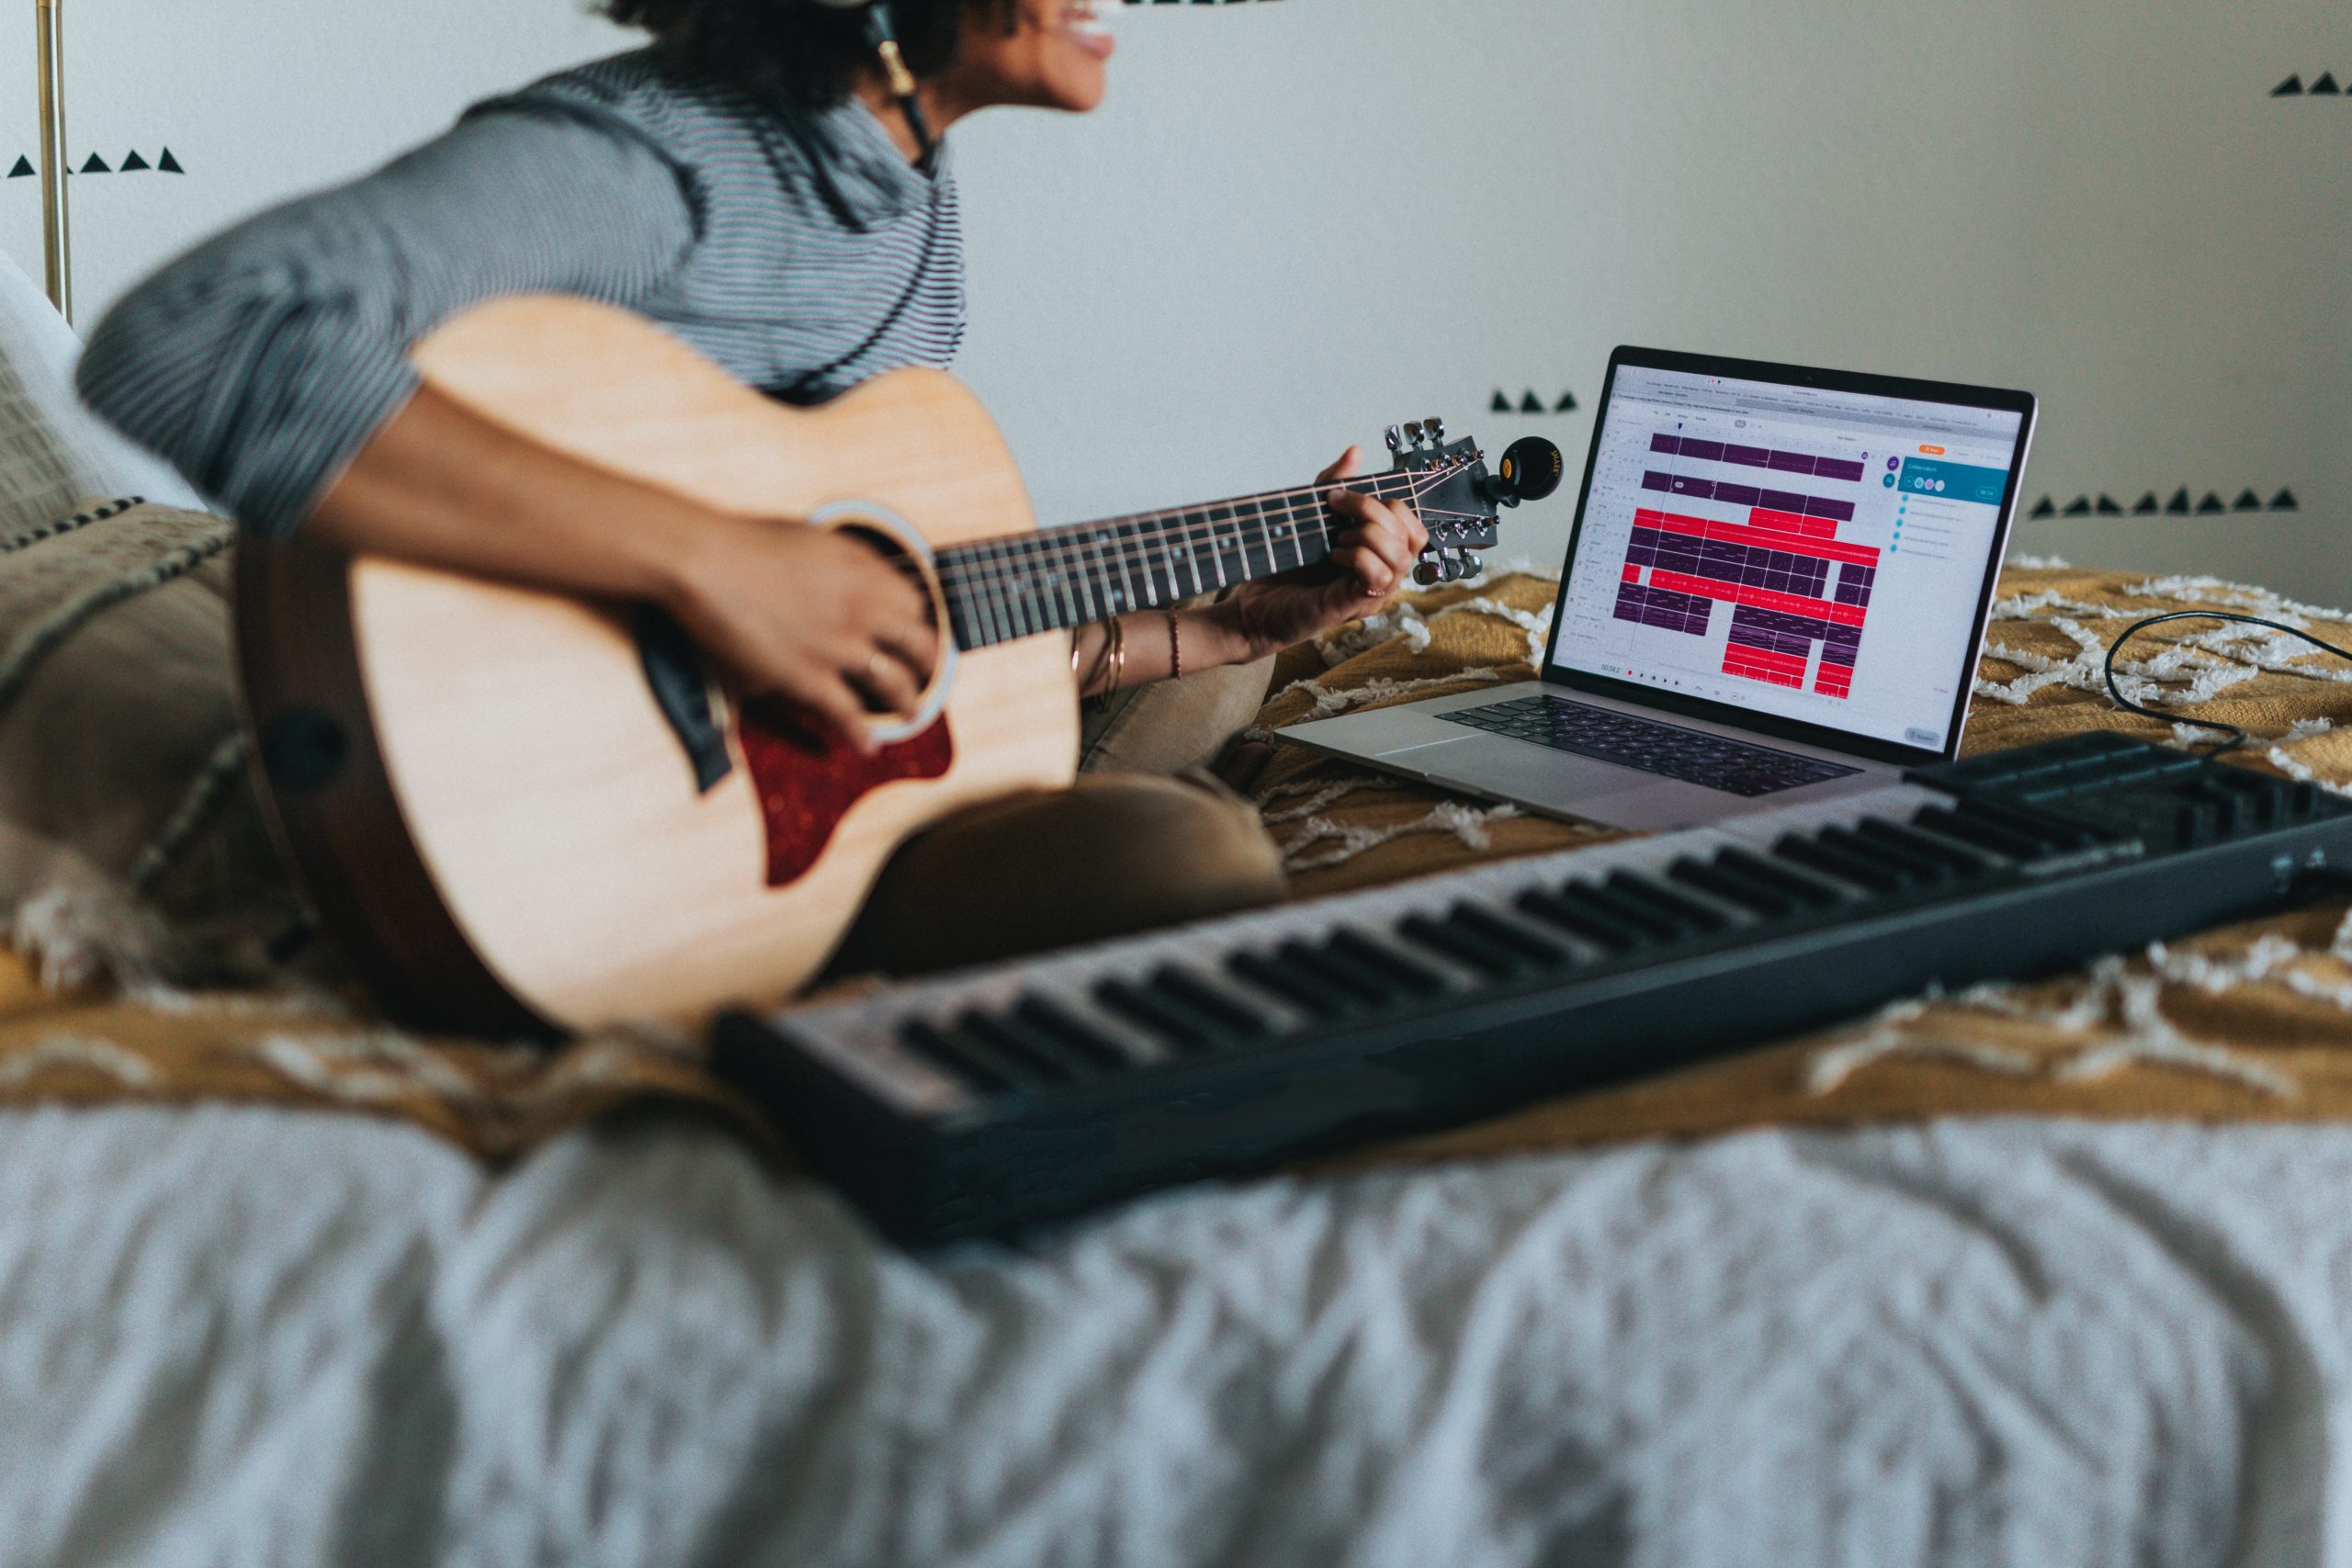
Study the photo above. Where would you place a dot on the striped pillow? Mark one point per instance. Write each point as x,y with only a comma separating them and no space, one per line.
129,841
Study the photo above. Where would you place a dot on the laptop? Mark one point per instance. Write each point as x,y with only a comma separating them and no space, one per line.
1776,589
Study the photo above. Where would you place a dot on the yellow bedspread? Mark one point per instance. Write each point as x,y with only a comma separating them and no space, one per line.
2250,1023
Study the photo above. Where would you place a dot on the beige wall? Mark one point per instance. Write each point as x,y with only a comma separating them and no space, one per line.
1299,222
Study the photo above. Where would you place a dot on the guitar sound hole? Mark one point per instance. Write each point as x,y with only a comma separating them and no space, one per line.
891,550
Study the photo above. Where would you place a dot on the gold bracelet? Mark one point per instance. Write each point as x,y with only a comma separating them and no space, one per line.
1118,656
1103,659
1175,650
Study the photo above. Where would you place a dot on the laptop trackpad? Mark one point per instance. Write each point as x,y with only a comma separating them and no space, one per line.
1494,765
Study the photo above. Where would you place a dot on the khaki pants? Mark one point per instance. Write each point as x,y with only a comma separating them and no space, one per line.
1128,847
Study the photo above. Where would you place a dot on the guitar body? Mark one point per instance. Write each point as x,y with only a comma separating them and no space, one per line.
495,816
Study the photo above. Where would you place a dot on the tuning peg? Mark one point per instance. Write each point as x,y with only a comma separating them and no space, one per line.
1429,573
1471,564
1436,427
1413,432
1395,438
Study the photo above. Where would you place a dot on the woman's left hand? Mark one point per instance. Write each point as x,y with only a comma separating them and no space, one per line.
1372,555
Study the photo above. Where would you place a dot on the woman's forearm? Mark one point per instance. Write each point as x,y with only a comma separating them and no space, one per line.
440,485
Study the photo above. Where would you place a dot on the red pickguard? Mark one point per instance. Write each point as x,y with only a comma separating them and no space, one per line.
808,777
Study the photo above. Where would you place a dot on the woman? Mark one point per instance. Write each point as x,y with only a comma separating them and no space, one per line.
751,183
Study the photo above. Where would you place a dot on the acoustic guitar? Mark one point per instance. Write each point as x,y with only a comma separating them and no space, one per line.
519,812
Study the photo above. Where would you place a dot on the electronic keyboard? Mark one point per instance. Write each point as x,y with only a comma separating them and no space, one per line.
992,1098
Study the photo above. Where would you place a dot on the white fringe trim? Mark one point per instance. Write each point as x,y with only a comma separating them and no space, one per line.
1466,822
2116,996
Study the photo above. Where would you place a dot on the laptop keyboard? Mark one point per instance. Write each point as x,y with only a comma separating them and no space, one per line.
1667,749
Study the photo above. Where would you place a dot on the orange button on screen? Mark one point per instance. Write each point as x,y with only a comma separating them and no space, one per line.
1933,451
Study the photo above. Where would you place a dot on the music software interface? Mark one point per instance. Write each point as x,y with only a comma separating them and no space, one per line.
1815,554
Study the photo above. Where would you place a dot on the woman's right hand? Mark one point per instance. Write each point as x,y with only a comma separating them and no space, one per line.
818,616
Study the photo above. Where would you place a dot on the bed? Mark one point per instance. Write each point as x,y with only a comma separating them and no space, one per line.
2044,1275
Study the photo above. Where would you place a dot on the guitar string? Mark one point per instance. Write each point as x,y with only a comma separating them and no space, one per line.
1020,606
1005,579
1199,528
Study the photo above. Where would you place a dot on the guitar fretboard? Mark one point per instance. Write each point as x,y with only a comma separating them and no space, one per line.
1002,589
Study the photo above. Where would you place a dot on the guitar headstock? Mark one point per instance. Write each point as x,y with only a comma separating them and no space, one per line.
1459,500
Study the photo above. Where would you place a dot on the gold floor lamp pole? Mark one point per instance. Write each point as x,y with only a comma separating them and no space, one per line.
56,232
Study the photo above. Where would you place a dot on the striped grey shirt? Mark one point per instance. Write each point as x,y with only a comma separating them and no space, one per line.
803,261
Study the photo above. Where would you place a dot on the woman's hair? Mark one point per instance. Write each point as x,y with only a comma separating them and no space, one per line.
796,54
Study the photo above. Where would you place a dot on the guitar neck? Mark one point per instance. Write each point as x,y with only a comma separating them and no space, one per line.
1002,589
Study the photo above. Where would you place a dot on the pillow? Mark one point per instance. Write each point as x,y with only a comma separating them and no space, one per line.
52,448
130,841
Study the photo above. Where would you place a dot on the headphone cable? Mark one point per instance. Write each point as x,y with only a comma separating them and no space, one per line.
2237,736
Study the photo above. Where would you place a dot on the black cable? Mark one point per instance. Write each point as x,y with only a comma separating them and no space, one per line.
2238,737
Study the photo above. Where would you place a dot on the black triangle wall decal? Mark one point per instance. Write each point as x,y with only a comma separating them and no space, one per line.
2326,83
1530,404
96,165
134,163
1567,403
24,167
2248,501
2045,507
2179,505
2211,503
2079,507
2285,501
2293,87
2109,508
167,164
2148,504
1502,402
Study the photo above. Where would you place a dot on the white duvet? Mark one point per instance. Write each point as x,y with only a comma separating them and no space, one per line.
245,1337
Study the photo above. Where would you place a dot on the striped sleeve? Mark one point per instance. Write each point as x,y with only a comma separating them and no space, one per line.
262,362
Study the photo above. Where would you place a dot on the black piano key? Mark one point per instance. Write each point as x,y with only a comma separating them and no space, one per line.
1366,983
2219,808
1186,989
1693,915
1313,994
1919,868
1973,828
1412,975
1048,1059
1925,846
2264,801
1178,1027
2041,828
1629,914
1834,860
1739,892
1464,948
1573,911
1809,890
1492,927
979,1068
1043,1017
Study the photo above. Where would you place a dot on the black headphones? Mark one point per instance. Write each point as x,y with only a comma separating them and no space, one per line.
883,34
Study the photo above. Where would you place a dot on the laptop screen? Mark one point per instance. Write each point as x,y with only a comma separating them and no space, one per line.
1814,554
